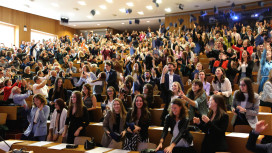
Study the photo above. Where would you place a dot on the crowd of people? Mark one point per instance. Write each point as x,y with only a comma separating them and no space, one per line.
141,64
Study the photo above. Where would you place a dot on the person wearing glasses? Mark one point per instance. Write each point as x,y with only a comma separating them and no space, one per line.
245,104
107,105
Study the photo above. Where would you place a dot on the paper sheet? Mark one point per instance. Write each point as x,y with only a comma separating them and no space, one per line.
41,143
264,113
158,128
240,135
98,150
119,151
100,123
58,147
4,147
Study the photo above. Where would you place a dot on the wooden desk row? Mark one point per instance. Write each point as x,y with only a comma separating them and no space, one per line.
236,144
156,114
44,149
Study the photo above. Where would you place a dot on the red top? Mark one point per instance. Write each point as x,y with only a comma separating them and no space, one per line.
249,50
7,90
224,64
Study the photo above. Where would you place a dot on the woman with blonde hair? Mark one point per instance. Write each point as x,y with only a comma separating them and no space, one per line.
114,124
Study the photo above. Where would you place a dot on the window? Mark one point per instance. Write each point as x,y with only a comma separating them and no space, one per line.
39,35
7,34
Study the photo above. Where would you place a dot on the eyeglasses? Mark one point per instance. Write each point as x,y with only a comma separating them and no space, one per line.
109,90
243,85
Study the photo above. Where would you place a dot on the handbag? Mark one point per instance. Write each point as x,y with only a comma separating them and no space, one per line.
89,144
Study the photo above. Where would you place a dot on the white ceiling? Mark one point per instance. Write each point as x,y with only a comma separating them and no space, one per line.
67,8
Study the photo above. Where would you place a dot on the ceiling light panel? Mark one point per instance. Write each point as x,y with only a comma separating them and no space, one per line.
81,2
109,1
149,7
123,10
168,9
130,4
103,7
141,13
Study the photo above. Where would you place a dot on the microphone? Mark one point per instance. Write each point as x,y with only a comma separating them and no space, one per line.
13,151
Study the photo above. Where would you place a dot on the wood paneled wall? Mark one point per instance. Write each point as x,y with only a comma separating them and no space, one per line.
174,17
21,19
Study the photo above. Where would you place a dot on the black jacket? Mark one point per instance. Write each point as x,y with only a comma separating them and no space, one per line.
215,139
143,124
182,126
112,80
258,148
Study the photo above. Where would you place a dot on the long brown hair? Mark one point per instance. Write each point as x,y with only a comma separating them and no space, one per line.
123,112
221,107
239,96
89,88
62,94
144,109
201,90
183,111
222,79
79,105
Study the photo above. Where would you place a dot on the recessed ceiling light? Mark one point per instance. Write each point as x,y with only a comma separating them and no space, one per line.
159,1
98,24
81,2
149,7
89,16
168,9
130,4
109,1
141,13
122,10
55,4
147,21
97,12
74,25
103,7
123,23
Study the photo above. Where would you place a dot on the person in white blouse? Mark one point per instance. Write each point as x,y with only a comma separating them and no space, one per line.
57,121
222,86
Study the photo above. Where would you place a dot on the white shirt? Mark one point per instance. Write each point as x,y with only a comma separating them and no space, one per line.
171,79
110,104
243,66
42,91
182,142
36,115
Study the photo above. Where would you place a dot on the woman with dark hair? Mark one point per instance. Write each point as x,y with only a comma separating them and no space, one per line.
206,85
77,118
111,95
148,94
114,122
57,92
125,90
246,104
57,121
266,95
37,118
177,120
89,100
196,99
138,119
245,66
222,86
214,126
